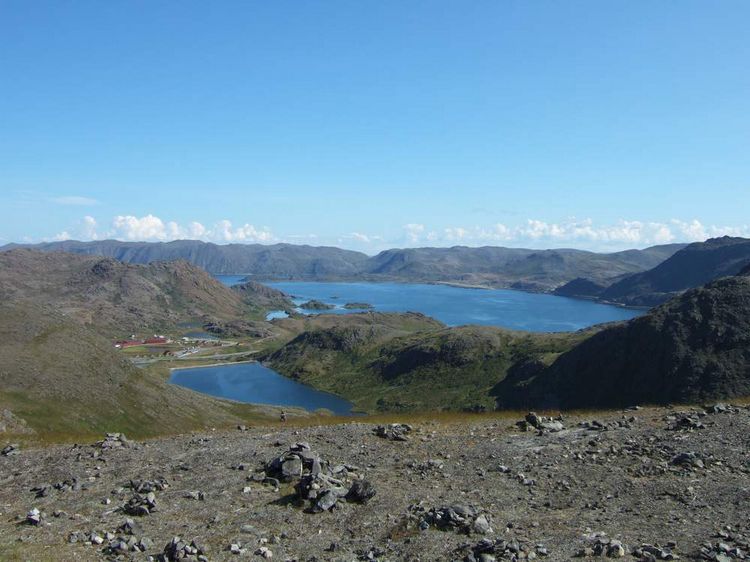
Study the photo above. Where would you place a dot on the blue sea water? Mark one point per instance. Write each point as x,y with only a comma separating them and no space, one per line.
254,383
455,306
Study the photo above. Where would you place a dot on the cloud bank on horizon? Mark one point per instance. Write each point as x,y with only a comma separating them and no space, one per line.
583,234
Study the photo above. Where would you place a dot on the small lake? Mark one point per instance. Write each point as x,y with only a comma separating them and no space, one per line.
256,384
456,306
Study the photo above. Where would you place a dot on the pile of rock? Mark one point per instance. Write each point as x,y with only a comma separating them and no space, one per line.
123,545
10,450
460,518
599,544
140,504
489,550
652,553
394,431
688,461
113,441
177,549
318,485
541,424
683,421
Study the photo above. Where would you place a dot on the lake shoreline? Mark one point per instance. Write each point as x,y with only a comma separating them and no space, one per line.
259,384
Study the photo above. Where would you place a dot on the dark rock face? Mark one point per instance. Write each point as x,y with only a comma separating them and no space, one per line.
694,348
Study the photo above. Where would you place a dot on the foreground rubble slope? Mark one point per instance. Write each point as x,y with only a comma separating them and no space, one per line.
479,489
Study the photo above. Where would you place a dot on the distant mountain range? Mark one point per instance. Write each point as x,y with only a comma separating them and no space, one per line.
518,268
690,267
642,278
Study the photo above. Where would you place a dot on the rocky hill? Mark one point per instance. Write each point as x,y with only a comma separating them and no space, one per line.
117,297
262,297
408,362
694,348
690,267
534,270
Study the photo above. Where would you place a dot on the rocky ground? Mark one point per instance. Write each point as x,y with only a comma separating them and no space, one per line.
648,484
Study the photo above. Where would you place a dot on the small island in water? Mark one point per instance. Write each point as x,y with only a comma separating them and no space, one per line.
358,306
316,305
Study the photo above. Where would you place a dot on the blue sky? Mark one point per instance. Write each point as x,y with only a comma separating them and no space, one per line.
367,125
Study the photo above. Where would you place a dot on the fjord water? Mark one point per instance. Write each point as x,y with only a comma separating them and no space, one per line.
456,306
256,384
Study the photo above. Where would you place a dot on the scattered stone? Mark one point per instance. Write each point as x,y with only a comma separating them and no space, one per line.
596,425
394,431
541,423
690,460
460,518
34,517
731,546
487,550
684,422
177,549
264,552
722,409
10,450
598,544
650,553
122,545
130,527
361,491
146,486
196,495
140,505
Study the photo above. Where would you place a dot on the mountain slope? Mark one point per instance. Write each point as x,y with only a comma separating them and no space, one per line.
408,362
690,267
116,297
262,297
694,348
536,270
60,377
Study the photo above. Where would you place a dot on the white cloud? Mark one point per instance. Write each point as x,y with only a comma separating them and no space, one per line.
75,200
534,233
129,227
583,233
88,227
413,232
152,228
